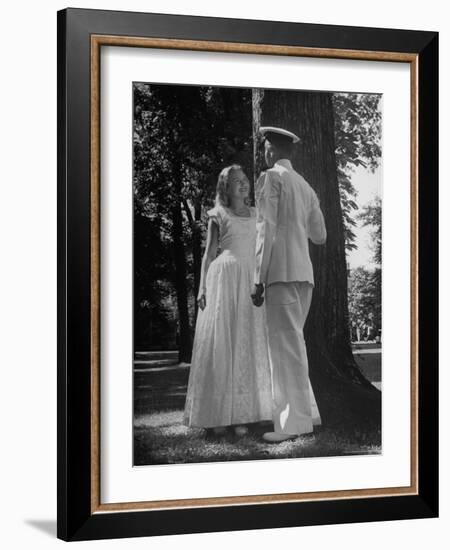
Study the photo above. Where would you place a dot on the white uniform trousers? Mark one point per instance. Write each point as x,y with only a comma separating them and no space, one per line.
287,307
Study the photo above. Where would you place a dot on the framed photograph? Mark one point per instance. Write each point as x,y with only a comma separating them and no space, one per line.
247,274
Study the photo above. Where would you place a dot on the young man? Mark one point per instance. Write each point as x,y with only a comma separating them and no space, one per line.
288,215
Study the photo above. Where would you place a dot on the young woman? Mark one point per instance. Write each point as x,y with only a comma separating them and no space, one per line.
229,382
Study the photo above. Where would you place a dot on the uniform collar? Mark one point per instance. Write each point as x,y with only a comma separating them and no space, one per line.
286,163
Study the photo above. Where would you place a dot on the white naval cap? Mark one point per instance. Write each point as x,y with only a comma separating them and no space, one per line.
281,131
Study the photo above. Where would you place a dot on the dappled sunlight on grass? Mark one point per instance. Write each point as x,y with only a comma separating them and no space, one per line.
161,438
291,447
166,418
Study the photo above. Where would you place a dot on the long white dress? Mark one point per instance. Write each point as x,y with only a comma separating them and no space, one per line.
229,381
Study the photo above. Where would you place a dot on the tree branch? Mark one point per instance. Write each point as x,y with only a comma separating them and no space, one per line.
188,212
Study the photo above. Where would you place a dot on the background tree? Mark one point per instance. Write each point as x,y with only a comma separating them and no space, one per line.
157,146
371,215
364,297
357,132
344,395
183,136
154,319
365,284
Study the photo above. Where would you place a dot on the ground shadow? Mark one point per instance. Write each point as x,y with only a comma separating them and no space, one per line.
47,526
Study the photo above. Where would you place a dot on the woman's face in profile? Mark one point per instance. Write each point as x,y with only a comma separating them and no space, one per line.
239,186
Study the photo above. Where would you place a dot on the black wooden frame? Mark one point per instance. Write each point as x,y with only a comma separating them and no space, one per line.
75,520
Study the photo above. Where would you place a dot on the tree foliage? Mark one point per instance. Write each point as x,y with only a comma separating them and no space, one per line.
358,143
371,215
183,136
155,319
364,298
364,284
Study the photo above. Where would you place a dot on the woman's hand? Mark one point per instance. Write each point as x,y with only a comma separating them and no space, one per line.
201,301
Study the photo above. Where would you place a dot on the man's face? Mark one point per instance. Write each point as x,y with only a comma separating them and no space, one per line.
270,153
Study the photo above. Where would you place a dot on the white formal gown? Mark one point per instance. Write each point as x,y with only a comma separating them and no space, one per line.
229,381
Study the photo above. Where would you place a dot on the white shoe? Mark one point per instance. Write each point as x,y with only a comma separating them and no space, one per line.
241,430
274,437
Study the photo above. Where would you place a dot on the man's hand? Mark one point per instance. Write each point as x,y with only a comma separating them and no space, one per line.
257,295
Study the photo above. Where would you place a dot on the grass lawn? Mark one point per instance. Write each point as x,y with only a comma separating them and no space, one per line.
161,438
368,359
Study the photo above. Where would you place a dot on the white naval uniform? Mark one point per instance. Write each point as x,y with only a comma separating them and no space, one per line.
288,215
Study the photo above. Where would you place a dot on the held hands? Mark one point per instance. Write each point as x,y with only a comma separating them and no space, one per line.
201,300
257,295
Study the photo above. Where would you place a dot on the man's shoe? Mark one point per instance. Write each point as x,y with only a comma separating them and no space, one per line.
274,437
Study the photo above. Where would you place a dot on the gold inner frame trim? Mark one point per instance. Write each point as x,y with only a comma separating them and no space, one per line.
97,41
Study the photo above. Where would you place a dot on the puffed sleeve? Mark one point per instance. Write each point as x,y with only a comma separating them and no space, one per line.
216,214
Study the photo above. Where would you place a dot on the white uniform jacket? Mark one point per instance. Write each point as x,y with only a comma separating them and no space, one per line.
288,215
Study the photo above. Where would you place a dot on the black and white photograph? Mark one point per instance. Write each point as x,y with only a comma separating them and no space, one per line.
257,266
224,263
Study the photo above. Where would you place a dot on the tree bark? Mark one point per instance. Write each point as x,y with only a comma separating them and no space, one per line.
180,264
194,222
344,395
197,250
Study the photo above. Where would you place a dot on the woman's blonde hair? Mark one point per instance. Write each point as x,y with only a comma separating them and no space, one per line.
223,185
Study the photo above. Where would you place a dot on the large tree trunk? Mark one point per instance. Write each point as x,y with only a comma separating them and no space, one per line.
344,396
179,258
